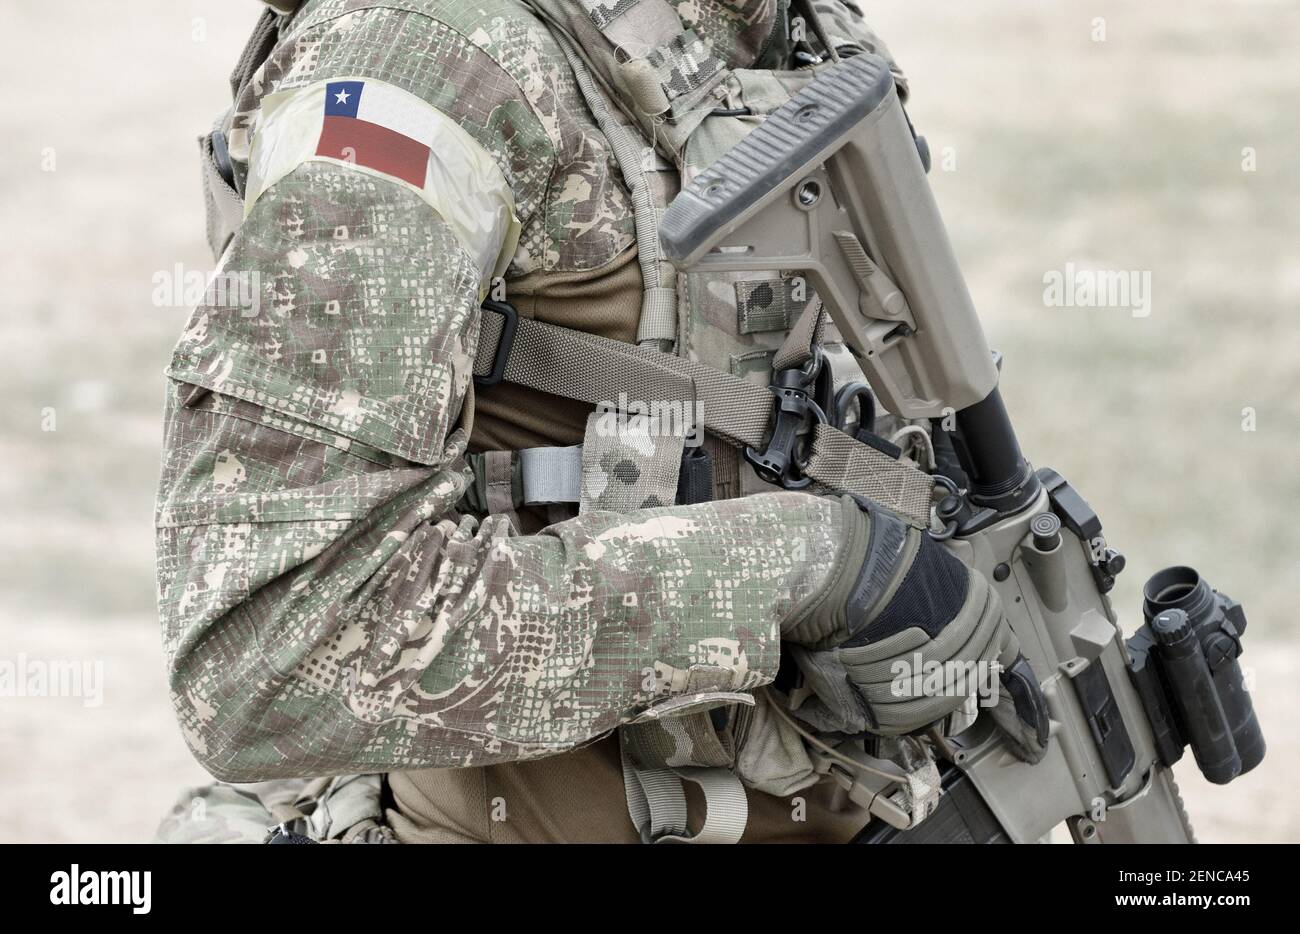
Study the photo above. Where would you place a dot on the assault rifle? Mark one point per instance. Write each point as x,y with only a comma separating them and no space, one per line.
833,185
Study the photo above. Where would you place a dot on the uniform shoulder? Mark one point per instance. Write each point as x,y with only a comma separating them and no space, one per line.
507,32
489,65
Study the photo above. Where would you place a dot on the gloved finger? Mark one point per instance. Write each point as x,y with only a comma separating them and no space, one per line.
917,690
921,691
973,636
1004,647
897,703
897,713
875,662
925,687
982,618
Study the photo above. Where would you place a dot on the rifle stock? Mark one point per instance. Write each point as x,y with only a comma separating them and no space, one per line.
831,184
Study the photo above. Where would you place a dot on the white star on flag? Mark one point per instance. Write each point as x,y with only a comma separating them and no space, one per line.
342,97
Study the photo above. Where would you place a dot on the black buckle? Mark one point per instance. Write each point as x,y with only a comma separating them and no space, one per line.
508,329
796,415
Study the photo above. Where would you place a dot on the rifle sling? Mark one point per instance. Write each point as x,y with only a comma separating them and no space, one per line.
569,363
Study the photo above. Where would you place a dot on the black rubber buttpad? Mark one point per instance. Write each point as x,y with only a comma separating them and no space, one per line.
798,134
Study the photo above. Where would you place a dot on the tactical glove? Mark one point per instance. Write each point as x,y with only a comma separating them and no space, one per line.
903,633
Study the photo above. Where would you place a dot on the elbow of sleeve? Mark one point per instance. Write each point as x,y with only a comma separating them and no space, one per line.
219,762
221,753
225,696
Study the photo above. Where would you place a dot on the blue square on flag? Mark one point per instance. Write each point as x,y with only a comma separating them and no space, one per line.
342,98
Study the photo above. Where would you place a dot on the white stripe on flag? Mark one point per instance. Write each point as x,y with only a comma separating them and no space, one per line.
395,109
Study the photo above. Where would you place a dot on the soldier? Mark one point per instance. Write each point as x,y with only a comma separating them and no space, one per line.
359,585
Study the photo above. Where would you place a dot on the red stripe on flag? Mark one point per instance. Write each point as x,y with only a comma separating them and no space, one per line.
374,146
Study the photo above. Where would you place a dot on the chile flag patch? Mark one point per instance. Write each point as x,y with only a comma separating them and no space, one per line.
373,125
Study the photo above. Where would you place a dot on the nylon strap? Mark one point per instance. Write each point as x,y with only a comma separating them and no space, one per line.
258,47
656,802
537,477
551,475
581,366
803,337
499,483
846,464
595,369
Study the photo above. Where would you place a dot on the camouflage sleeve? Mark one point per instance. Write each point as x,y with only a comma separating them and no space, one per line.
324,608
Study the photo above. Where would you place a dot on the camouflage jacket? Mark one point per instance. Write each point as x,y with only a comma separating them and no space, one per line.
324,607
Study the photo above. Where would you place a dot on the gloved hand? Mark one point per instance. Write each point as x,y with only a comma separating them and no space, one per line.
897,605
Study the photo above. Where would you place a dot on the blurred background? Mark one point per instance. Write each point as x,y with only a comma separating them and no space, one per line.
1159,137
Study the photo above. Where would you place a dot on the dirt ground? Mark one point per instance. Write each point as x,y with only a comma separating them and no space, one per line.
1054,144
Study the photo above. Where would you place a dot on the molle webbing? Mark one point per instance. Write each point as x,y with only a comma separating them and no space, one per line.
662,74
650,42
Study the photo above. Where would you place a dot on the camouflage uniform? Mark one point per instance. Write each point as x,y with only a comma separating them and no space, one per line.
326,608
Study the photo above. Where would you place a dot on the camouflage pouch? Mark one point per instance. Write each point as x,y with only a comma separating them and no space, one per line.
663,66
707,735
771,756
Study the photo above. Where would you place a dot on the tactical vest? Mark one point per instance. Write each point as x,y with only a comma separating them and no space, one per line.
754,389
